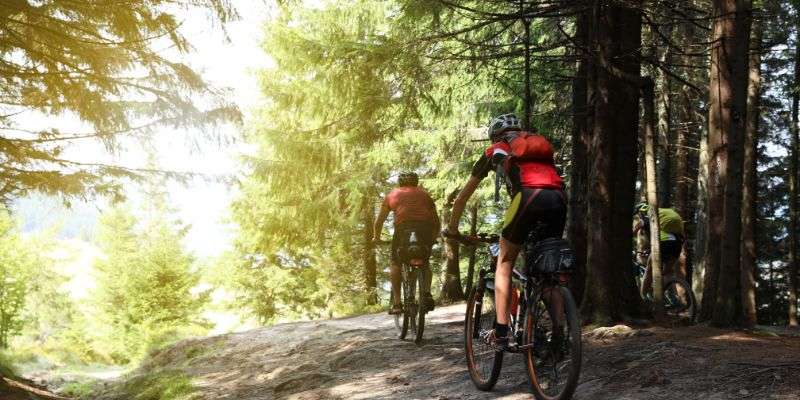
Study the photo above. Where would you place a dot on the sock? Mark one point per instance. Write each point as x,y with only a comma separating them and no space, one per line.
501,330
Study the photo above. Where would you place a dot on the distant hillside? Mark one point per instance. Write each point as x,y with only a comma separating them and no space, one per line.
38,212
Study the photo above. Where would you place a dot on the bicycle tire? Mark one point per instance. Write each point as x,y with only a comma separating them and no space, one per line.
406,321
686,307
481,305
398,318
574,347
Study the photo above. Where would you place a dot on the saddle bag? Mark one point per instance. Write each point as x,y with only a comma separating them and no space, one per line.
549,256
413,250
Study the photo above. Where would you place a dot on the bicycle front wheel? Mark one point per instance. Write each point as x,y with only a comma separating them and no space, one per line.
483,360
420,322
398,319
553,337
679,302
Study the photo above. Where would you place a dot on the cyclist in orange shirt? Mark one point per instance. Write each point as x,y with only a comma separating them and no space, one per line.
414,213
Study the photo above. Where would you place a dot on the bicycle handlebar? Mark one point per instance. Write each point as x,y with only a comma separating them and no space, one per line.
472,240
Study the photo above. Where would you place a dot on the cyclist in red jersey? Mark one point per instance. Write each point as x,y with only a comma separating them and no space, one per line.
538,204
414,212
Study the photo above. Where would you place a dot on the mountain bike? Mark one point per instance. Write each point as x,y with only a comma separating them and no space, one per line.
548,337
679,301
414,267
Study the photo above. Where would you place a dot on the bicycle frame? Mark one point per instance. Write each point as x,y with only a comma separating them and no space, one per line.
531,286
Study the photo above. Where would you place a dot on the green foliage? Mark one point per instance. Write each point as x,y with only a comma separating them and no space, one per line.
104,65
25,278
6,365
159,385
78,390
351,103
145,285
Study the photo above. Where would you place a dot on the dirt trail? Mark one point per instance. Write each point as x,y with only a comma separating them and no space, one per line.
360,358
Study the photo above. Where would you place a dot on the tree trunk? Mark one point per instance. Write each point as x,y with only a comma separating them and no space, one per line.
793,212
526,25
727,110
451,284
576,223
615,39
473,230
664,102
652,200
750,182
370,263
701,218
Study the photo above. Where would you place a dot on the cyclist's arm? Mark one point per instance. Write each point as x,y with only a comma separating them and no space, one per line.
437,223
637,225
378,227
461,203
479,171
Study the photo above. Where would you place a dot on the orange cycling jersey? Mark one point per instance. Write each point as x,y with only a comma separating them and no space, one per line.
410,203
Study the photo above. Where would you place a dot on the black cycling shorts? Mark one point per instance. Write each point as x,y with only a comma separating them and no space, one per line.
402,235
538,212
670,250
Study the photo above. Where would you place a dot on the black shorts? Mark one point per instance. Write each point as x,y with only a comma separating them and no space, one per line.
538,212
402,234
670,250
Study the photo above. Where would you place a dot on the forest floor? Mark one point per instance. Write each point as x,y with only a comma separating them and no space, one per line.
360,358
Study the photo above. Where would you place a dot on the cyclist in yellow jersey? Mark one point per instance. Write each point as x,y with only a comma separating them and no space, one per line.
671,237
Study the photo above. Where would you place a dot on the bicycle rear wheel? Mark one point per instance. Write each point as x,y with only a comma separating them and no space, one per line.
679,299
483,360
410,306
554,359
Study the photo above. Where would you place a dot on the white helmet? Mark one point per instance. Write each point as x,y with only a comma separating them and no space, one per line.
501,124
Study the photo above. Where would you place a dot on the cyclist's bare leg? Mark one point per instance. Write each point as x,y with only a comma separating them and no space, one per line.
425,284
502,278
552,296
395,276
647,282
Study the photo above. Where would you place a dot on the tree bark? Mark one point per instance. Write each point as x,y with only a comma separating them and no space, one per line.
702,221
370,262
727,112
653,200
615,39
750,182
526,25
473,230
576,223
451,284
793,212
664,102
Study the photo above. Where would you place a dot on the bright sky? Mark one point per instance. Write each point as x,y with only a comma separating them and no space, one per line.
201,204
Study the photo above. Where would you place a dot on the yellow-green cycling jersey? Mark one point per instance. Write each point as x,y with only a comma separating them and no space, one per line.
670,224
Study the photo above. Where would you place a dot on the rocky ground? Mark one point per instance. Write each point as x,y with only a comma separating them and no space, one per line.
360,358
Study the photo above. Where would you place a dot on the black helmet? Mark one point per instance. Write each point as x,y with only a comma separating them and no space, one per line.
501,124
408,179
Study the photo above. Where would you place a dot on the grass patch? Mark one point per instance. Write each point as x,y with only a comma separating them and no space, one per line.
7,365
163,385
78,390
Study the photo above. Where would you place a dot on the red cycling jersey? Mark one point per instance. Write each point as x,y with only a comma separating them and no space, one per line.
410,203
535,172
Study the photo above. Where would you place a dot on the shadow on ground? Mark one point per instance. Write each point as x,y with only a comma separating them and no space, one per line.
360,358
